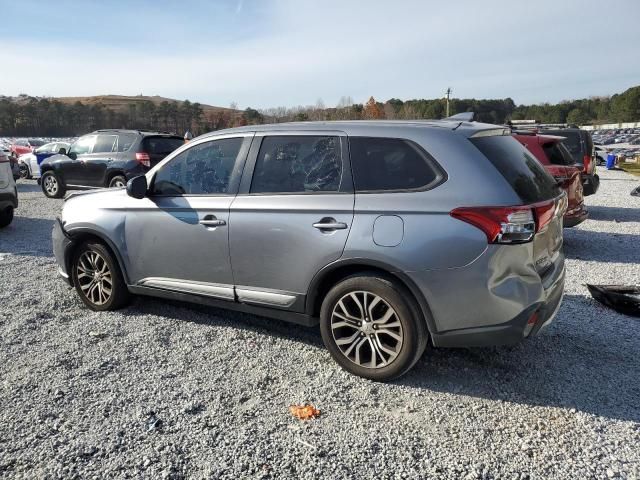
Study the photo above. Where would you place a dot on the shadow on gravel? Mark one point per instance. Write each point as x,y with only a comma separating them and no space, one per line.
592,369
27,236
601,246
28,186
614,214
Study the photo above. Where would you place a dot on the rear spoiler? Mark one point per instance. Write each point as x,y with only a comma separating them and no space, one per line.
462,117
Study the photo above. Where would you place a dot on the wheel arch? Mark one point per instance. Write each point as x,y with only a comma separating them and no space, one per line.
114,173
79,236
337,271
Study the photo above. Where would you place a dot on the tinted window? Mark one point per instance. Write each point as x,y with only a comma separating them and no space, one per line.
83,145
525,174
298,164
161,145
203,169
573,142
125,141
389,164
556,155
105,143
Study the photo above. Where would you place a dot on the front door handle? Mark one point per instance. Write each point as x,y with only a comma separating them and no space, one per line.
329,225
210,221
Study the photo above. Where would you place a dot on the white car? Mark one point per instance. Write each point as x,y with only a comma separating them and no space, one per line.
29,163
8,192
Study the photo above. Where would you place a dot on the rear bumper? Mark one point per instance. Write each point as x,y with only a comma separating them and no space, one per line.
575,217
61,249
590,184
8,199
493,300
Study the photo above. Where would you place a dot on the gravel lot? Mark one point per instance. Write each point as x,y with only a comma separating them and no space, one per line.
170,390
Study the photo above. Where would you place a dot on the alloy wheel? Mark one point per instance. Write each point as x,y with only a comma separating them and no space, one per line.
118,184
94,277
51,185
366,329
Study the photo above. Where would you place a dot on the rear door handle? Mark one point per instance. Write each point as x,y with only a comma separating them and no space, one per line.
212,223
330,225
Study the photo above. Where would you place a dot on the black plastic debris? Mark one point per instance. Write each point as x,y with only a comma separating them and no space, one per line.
621,298
636,192
153,422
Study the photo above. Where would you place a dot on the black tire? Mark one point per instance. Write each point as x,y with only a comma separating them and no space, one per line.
47,182
6,217
118,182
88,289
24,171
412,327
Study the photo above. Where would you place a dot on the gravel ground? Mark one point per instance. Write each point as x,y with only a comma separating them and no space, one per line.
169,390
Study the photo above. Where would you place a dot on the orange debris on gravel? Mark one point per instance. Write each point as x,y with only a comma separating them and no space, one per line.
304,412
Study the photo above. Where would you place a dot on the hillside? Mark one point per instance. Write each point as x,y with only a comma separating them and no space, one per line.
120,103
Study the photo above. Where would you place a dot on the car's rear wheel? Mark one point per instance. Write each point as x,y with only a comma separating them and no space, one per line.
371,327
51,185
24,171
6,216
97,278
118,182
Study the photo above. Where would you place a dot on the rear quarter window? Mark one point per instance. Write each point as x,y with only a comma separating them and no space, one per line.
520,169
391,164
161,145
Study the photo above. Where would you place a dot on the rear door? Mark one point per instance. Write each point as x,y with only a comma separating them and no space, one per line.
291,217
96,163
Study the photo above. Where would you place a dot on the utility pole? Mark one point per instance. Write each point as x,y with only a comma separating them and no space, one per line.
447,95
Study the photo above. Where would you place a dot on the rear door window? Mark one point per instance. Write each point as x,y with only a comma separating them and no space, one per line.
390,164
105,144
520,169
125,141
298,164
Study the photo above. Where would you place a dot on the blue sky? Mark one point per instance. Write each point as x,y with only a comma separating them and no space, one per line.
270,53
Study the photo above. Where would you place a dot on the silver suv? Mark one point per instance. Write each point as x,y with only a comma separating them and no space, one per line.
389,234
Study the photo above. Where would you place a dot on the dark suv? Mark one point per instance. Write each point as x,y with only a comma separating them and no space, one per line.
105,158
580,145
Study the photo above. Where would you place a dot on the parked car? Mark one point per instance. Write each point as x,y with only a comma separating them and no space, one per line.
580,145
369,228
8,192
557,160
22,146
29,163
105,158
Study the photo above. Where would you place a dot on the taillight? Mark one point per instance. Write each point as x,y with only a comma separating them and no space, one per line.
144,159
586,160
500,224
516,224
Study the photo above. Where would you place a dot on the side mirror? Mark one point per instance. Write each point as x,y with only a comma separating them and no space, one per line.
62,151
72,155
137,187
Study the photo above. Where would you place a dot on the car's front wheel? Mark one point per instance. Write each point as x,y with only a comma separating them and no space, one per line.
51,185
6,216
97,278
371,327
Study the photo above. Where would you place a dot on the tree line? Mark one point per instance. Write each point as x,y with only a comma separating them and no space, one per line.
33,116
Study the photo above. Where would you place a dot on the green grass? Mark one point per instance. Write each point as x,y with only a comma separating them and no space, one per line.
633,168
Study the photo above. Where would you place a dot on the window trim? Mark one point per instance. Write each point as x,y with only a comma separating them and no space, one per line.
234,178
440,178
346,181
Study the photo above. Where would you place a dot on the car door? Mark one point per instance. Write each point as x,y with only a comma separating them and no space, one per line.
178,236
291,217
73,168
97,162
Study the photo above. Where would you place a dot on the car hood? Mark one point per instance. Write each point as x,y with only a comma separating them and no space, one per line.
98,194
55,158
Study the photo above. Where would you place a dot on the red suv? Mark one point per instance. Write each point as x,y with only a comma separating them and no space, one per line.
557,160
